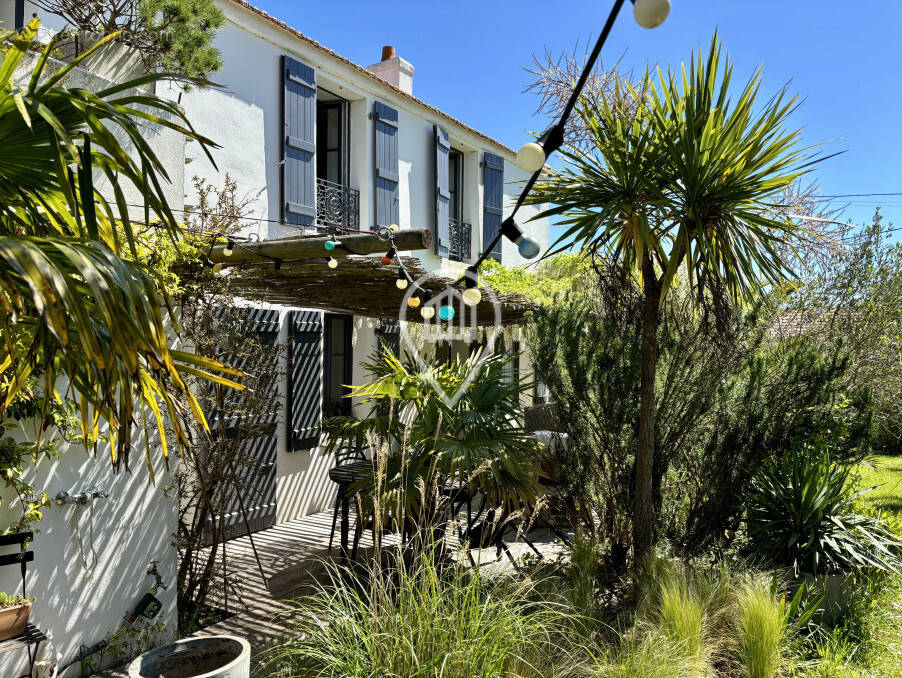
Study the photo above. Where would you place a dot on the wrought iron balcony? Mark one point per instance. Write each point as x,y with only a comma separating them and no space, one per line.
337,206
461,235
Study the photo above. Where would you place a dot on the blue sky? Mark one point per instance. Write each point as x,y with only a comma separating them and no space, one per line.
842,58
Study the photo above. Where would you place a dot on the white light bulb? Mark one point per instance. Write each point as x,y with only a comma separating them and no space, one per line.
333,263
651,13
427,312
472,296
401,284
227,252
531,157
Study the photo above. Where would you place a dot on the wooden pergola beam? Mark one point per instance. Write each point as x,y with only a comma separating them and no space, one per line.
311,247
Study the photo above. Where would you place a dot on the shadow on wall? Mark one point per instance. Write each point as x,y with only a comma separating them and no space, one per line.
90,562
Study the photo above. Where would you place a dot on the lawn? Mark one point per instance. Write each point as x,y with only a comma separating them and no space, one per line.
886,472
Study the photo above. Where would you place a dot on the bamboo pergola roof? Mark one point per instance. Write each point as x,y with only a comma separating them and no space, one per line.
360,284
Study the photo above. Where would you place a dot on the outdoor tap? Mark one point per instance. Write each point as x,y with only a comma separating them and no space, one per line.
64,498
95,493
152,571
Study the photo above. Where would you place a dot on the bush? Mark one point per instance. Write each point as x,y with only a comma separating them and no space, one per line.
801,514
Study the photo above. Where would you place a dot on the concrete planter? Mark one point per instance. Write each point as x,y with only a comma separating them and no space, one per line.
834,589
212,657
13,620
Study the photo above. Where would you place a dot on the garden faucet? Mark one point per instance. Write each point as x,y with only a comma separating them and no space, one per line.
81,498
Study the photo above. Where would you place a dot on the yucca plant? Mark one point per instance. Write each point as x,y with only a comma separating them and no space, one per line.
77,302
801,514
682,172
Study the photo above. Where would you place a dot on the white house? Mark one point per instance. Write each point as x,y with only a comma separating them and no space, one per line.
317,141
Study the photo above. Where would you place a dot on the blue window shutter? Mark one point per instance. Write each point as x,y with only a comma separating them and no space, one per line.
298,142
386,168
305,375
442,195
492,200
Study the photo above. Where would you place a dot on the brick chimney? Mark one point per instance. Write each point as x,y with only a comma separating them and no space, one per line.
394,70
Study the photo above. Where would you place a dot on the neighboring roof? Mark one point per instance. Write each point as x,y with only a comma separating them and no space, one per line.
383,83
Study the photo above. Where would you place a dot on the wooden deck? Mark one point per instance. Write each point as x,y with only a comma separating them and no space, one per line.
292,556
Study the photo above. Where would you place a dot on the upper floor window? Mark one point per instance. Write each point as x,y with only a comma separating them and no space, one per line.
455,185
330,142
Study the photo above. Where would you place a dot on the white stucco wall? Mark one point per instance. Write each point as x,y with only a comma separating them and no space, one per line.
90,563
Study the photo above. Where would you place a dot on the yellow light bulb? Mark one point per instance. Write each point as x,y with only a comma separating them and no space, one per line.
414,301
472,296
217,268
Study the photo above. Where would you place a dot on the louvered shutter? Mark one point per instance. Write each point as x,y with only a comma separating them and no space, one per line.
386,169
298,142
256,460
492,200
305,379
389,333
442,195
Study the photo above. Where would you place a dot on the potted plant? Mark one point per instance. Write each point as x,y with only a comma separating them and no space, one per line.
14,612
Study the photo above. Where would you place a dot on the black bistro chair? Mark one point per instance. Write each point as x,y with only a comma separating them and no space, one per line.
32,637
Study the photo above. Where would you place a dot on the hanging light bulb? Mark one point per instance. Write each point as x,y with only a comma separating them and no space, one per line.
401,283
393,227
472,296
528,248
330,245
446,312
427,312
651,13
332,263
532,155
227,252
388,256
414,300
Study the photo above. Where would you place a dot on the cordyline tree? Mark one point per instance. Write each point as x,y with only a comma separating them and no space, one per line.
683,173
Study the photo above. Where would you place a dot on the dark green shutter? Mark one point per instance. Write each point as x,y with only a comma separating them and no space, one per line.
442,195
492,200
305,385
386,167
298,142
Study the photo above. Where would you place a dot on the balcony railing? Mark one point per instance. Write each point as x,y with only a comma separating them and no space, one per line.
461,235
337,206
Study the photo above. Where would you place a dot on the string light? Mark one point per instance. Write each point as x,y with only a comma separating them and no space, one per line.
446,312
428,310
401,283
388,256
471,295
414,300
332,263
330,245
227,252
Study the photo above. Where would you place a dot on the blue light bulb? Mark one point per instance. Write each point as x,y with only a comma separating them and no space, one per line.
529,248
330,245
446,312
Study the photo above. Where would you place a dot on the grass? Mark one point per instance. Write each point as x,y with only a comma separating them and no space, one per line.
887,472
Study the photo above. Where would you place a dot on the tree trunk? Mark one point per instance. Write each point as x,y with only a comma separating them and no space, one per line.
643,523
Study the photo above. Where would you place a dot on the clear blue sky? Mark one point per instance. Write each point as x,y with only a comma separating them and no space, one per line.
843,59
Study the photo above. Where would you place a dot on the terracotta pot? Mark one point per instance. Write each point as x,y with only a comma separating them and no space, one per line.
13,620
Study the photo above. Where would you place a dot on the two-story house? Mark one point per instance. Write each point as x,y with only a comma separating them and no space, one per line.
319,141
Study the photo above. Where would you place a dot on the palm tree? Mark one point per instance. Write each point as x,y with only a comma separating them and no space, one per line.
78,303
682,175
427,440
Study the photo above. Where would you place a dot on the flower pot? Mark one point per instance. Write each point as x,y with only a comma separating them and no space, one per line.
834,591
210,657
13,620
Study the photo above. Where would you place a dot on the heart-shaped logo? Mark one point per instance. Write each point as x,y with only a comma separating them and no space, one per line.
448,317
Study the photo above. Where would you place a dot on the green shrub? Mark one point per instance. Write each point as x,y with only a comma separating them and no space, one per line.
801,514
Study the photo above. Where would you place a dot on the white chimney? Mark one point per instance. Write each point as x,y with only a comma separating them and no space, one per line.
394,70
